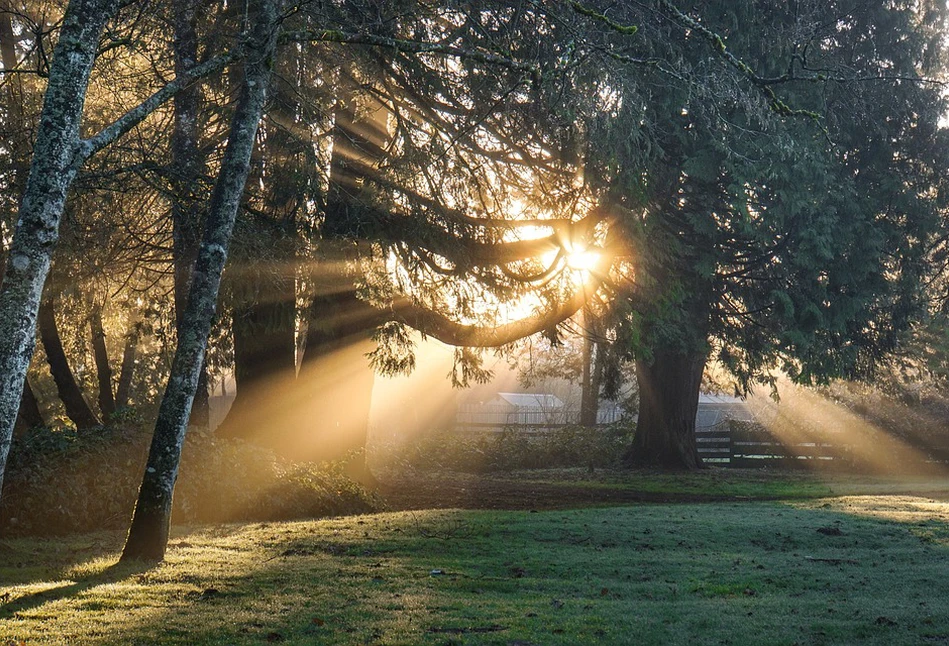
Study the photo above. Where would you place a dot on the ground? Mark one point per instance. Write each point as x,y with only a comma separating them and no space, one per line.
572,488
725,558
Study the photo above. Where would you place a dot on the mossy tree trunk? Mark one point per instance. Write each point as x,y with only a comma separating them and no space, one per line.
18,145
148,535
56,158
186,167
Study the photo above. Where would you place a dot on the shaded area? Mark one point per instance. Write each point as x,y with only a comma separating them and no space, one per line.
839,571
469,491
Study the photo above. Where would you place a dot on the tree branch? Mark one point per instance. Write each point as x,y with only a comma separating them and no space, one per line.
90,146
416,47
451,332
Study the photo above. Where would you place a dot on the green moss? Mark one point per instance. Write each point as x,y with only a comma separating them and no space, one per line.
627,30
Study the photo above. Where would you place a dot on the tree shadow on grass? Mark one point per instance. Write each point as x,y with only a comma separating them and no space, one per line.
28,560
767,559
112,574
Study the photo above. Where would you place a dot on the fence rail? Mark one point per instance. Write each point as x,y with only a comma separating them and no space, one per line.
727,442
474,416
751,445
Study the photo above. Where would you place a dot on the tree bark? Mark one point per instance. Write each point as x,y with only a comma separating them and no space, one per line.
124,390
103,369
29,415
77,409
339,325
668,402
18,137
186,165
148,535
56,156
264,292
264,361
589,382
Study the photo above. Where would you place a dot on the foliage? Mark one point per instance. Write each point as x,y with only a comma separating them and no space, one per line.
63,481
510,449
835,571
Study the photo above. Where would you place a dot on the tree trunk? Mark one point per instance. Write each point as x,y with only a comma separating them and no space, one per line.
334,367
77,409
186,165
17,143
148,535
56,156
29,415
589,382
337,373
103,369
124,390
264,368
668,402
596,385
592,383
264,292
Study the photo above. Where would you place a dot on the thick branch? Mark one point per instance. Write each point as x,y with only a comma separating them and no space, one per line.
446,330
92,145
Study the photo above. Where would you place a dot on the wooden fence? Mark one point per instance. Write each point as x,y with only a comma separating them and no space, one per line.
722,440
491,416
750,445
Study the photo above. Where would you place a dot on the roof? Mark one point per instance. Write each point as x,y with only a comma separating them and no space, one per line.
539,401
709,399
714,409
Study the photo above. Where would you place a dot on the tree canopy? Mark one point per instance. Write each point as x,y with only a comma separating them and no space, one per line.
751,184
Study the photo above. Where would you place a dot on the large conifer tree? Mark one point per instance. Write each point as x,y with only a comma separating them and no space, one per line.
776,234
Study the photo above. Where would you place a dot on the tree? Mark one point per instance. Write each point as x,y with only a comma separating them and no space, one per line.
799,249
148,534
77,408
58,153
382,193
186,167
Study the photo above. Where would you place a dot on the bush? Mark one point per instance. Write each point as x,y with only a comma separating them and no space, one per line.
509,449
61,481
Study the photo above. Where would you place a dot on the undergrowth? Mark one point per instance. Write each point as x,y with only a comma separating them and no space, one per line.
507,450
61,481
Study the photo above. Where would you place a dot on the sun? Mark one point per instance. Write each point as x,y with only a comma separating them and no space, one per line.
582,259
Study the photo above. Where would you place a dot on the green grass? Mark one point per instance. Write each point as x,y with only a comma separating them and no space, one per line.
738,484
869,570
712,482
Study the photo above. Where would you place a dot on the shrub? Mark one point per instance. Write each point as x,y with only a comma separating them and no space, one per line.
61,481
509,449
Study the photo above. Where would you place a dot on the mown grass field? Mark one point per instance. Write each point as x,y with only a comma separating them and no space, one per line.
868,569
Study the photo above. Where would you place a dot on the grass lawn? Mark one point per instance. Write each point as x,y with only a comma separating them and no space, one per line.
843,570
